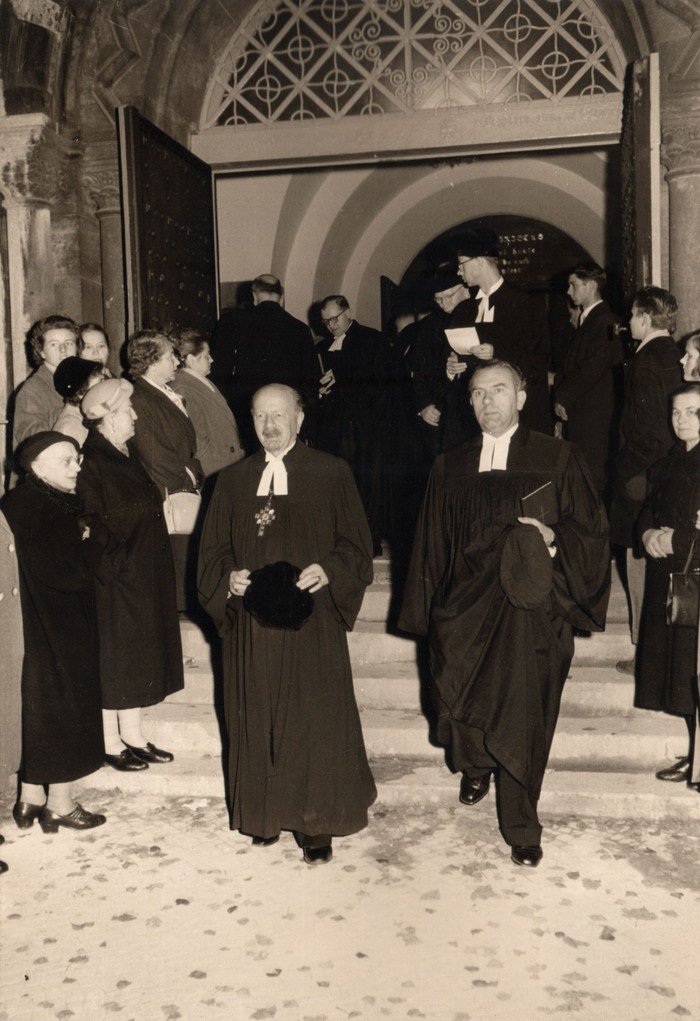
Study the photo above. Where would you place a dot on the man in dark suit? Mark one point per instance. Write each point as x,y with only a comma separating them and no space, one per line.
509,324
263,345
645,432
587,395
355,405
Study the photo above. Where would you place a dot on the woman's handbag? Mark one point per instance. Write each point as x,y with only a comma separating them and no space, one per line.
181,511
683,599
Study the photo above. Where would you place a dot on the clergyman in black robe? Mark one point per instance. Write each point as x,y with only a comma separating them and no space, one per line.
498,669
296,757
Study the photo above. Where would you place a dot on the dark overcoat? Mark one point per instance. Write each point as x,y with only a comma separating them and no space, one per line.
165,440
61,703
12,645
296,755
497,667
140,647
666,655
354,417
519,335
590,390
218,441
645,430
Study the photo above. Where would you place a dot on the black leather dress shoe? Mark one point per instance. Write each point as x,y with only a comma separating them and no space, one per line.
264,841
24,814
3,867
318,855
676,773
530,856
78,819
125,762
150,753
473,789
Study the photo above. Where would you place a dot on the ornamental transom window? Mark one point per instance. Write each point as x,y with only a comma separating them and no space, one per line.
295,60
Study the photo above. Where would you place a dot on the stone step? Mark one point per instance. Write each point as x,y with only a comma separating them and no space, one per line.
589,691
638,742
371,643
602,795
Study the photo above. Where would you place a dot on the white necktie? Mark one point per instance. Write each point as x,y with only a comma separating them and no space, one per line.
274,473
485,313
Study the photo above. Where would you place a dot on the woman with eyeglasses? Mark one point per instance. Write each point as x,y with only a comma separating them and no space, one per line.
140,648
57,551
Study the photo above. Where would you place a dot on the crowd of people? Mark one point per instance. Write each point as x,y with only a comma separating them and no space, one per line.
256,472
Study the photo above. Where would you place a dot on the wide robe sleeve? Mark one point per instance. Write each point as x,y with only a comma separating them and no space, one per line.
216,556
581,587
429,558
349,564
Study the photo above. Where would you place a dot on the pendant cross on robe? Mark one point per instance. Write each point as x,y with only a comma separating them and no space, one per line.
266,515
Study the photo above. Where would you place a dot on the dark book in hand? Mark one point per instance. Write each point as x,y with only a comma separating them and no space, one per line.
541,503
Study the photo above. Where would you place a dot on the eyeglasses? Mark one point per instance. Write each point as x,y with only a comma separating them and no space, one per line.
442,299
332,320
67,462
463,262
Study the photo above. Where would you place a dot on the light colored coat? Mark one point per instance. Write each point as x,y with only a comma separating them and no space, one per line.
218,441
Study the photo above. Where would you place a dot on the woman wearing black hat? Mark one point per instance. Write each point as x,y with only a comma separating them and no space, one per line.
140,648
72,379
61,718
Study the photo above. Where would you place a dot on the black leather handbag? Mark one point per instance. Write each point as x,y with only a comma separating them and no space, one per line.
683,599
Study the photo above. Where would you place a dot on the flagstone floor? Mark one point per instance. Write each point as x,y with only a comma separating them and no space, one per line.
164,914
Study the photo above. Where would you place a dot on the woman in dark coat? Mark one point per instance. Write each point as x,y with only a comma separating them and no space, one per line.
12,645
165,439
666,654
140,648
57,553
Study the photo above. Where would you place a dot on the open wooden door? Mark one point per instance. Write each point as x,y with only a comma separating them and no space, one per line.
169,218
641,176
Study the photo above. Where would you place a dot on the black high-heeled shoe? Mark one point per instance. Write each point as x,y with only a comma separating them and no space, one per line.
3,867
24,813
78,819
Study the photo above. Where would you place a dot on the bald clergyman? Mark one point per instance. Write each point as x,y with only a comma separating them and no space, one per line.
497,590
296,756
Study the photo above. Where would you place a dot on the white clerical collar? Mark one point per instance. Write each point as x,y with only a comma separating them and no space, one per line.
494,450
585,311
337,344
653,336
169,393
492,289
274,473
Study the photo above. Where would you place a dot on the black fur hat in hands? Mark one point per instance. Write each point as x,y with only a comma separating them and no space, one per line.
274,599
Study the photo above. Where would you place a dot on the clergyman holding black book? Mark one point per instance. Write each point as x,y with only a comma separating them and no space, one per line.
511,554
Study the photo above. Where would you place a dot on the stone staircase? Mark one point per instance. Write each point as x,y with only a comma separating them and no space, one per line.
602,762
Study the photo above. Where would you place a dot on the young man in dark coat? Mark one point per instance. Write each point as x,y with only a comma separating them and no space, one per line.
645,430
498,591
355,407
588,394
509,324
263,345
296,755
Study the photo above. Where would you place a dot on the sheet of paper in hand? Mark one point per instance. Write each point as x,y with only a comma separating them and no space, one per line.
541,503
462,340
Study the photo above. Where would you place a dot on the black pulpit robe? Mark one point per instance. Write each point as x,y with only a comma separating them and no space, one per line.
495,667
296,754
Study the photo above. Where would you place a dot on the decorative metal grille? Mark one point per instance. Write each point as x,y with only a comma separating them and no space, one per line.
294,60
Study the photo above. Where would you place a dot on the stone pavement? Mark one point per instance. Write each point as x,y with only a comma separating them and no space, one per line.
164,914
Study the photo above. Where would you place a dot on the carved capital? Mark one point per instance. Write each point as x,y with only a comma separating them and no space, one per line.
33,159
100,178
680,150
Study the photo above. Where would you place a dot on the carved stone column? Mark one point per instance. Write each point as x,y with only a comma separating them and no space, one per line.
101,187
32,163
681,155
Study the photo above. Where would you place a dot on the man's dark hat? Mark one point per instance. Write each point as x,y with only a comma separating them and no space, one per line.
28,451
72,374
274,599
480,241
444,278
526,568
